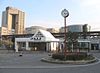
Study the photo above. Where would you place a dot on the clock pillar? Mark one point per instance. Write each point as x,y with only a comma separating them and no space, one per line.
65,14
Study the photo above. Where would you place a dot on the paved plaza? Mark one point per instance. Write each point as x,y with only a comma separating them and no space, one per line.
30,63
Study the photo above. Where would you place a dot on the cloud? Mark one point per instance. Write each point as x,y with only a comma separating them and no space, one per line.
90,3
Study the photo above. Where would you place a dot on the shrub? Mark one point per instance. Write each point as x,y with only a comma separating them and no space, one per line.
71,56
58,56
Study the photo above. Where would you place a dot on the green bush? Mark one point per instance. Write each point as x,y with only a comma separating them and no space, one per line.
58,56
71,56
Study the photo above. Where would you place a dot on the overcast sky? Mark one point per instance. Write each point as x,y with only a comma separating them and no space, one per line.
47,13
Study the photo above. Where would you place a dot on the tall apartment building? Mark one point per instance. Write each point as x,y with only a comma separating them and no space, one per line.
12,21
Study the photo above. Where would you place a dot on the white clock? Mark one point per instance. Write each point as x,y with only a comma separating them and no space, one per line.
65,13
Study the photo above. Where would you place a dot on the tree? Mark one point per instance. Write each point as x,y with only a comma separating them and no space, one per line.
8,44
0,43
85,30
72,41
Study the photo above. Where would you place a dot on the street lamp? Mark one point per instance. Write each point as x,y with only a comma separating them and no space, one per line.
65,14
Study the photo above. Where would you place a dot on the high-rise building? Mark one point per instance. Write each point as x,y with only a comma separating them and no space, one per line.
12,21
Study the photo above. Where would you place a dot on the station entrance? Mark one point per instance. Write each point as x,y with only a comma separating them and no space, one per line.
94,46
37,46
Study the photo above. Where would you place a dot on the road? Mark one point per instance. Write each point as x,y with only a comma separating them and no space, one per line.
30,63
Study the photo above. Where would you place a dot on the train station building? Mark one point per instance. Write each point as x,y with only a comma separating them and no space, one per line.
42,40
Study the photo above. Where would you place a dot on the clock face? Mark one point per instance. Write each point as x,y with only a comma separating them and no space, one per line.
65,13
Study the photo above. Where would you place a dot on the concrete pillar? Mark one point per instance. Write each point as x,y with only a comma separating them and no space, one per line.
89,45
16,47
47,49
27,48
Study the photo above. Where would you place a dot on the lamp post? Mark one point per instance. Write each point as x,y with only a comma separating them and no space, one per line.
65,14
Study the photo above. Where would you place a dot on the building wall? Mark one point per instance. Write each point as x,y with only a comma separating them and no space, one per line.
75,28
4,18
4,31
53,30
7,20
20,23
33,29
62,30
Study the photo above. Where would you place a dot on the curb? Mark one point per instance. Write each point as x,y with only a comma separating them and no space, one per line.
82,62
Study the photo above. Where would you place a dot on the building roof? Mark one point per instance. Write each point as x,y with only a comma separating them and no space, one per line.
48,36
40,36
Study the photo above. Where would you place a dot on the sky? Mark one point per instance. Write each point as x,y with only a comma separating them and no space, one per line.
47,13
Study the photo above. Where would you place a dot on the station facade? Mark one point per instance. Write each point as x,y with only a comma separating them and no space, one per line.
43,40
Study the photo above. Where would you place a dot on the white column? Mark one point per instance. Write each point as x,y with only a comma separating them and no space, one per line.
27,48
16,47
